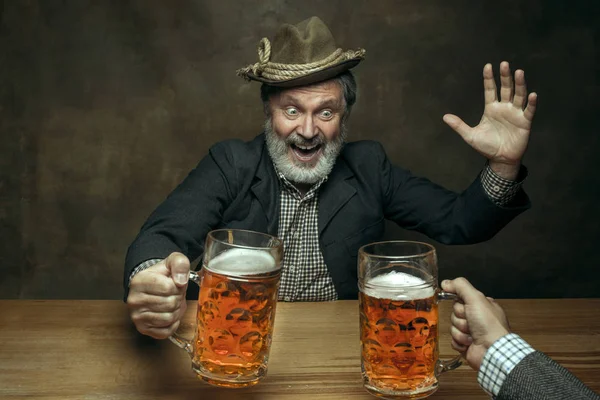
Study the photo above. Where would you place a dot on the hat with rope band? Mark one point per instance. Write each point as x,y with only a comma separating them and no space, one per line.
300,55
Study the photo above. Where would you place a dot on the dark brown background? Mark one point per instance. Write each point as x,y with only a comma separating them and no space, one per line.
106,105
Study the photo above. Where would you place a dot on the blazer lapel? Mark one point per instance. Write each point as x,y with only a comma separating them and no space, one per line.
335,193
265,188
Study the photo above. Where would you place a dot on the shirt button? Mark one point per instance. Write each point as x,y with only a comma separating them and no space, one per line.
287,298
292,268
496,188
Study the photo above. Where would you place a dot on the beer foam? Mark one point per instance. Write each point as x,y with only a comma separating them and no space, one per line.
243,262
397,286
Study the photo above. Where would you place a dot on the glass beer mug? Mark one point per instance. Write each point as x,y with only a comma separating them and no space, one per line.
399,335
239,281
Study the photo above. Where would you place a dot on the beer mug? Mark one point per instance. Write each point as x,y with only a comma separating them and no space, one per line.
239,281
399,334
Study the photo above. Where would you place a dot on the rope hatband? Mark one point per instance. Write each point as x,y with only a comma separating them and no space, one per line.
282,72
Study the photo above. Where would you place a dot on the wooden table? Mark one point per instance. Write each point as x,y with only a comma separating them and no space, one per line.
89,350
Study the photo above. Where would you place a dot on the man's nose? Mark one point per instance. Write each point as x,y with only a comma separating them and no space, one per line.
307,128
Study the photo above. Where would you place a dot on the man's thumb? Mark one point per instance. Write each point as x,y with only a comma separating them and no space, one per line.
459,126
462,288
179,267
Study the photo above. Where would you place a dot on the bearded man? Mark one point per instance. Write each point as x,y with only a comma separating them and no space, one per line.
324,197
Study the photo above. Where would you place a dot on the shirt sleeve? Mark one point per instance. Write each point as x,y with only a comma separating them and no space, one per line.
501,191
499,361
142,266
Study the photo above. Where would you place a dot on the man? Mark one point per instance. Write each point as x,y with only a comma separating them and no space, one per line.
323,197
508,367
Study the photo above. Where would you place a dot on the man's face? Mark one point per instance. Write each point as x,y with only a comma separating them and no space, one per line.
304,132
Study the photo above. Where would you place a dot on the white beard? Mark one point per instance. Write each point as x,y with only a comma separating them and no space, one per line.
296,171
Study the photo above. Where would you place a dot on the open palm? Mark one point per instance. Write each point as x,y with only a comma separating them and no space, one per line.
503,132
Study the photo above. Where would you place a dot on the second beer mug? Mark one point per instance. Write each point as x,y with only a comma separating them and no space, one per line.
238,282
399,319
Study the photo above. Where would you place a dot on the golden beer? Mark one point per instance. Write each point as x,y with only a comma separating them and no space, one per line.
399,342
235,318
398,300
239,281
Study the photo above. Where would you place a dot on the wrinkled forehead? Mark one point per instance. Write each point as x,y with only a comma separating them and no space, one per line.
327,92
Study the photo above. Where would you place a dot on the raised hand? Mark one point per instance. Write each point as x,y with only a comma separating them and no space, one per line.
502,134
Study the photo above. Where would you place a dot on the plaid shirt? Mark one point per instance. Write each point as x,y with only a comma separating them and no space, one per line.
499,360
305,276
501,190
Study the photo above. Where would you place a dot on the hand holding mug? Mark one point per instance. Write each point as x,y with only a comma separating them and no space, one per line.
477,321
156,297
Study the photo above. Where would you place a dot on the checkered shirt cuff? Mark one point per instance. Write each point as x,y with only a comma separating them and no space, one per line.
145,265
499,190
499,360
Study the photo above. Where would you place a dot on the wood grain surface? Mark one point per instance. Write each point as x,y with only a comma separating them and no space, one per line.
89,350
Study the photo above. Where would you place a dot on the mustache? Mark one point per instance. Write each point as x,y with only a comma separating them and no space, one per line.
297,140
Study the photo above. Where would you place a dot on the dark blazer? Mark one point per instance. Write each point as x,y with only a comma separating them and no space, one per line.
537,377
235,186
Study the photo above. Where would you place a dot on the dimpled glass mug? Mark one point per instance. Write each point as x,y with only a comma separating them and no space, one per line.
399,334
239,281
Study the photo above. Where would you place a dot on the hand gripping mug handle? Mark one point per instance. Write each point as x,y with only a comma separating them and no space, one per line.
453,363
178,340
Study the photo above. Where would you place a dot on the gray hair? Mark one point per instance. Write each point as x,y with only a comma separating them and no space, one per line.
345,80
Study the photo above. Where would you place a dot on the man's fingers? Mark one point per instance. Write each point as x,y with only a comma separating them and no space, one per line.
460,337
459,347
531,106
152,319
158,325
464,130
459,310
149,302
160,333
460,324
489,85
179,267
520,89
463,288
506,81
154,284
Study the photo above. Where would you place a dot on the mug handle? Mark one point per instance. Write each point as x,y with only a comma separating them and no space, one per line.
453,363
177,339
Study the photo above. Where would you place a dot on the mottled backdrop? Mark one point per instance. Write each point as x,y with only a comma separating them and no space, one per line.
106,105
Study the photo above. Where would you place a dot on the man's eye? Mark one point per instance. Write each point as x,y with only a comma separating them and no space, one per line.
326,114
291,111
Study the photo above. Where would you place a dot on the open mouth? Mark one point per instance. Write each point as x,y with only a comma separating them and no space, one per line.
306,153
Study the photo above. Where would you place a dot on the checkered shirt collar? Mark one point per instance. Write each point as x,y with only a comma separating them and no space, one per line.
289,186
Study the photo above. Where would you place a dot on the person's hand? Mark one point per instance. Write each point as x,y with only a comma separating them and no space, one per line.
477,321
503,132
156,297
